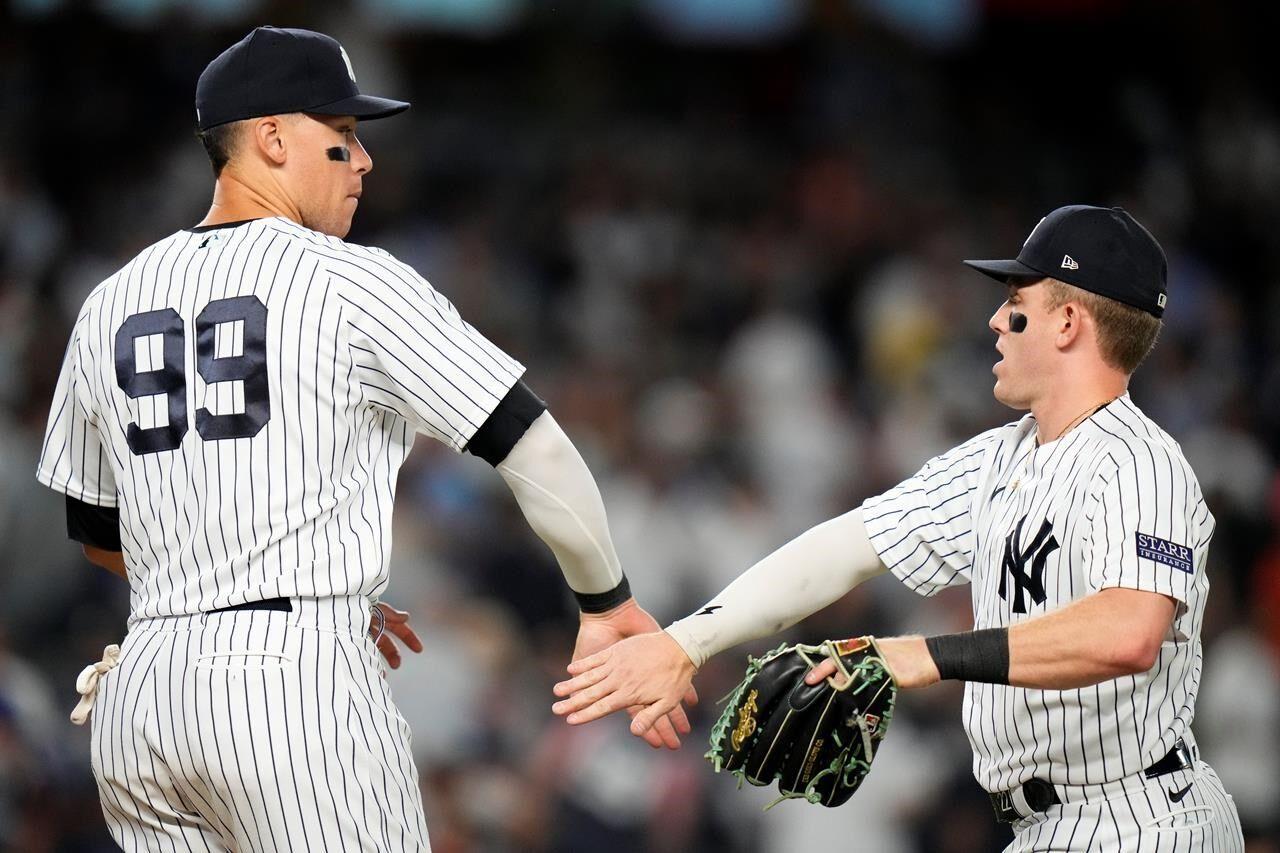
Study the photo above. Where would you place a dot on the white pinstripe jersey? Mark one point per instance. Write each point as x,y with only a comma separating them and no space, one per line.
246,395
1113,503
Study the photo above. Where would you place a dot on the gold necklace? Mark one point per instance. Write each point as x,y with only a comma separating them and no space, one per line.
1080,418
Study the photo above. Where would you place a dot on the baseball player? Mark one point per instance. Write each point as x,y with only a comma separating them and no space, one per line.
1083,535
232,411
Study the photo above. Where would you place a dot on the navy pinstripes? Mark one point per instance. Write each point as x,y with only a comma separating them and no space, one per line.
250,731
303,507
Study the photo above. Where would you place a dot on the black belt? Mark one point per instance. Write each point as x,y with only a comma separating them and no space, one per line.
1179,758
1037,795
282,604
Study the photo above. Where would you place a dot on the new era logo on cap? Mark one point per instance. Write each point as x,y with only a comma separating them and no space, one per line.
1069,263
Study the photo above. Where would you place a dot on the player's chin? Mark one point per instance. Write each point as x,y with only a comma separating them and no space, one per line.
1001,390
340,225
349,205
1008,396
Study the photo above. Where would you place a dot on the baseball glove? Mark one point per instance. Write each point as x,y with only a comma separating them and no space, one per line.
817,741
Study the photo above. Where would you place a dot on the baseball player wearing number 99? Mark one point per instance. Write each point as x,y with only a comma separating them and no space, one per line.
232,412
1084,537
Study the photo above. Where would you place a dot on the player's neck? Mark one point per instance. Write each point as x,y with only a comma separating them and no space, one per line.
1072,404
235,200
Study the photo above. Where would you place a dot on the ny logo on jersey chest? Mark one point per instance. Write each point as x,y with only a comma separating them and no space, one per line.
1014,565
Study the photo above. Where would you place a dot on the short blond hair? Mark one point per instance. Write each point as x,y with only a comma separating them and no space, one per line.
1126,335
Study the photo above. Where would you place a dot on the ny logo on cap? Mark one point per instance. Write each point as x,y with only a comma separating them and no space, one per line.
1069,263
1033,231
351,72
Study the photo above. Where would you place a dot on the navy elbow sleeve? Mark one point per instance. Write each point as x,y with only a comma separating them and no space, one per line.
98,526
506,424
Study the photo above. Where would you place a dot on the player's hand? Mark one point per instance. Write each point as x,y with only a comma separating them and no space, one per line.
823,671
396,625
599,631
909,662
907,659
648,675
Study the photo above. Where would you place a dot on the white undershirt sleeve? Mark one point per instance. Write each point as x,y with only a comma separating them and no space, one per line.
561,502
801,577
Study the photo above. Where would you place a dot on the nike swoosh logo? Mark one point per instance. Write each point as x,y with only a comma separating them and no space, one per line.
1176,796
707,611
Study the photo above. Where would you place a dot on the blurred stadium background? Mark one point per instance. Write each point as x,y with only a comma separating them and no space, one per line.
725,235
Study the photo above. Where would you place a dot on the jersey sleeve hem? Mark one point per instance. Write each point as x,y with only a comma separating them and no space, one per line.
916,585
462,437
1179,592
66,487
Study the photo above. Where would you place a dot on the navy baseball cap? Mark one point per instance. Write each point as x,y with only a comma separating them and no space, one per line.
1100,249
273,71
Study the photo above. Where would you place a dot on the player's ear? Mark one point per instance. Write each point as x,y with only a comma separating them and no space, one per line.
268,137
1070,321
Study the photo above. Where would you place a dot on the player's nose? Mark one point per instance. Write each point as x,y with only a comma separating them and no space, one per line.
360,159
997,322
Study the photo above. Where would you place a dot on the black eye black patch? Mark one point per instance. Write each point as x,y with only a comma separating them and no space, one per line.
339,153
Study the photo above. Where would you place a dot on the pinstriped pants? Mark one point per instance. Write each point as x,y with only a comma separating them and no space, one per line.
1141,816
255,730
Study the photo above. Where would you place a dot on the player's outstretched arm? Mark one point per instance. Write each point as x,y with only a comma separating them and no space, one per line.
1109,634
653,670
562,503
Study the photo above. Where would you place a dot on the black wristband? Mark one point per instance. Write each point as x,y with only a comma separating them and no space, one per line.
599,602
972,656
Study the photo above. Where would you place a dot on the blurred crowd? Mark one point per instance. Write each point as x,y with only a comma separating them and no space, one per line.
733,272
